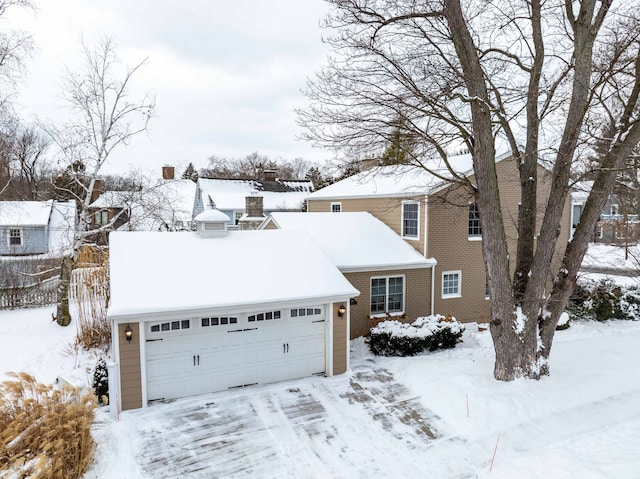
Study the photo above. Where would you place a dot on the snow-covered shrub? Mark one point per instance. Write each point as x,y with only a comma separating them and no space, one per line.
393,338
101,382
603,300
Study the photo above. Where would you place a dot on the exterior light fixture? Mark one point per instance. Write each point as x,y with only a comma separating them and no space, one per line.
128,333
341,310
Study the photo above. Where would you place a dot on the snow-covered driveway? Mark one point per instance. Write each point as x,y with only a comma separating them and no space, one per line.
364,423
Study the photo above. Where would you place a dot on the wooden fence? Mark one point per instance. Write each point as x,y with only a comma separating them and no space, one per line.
37,294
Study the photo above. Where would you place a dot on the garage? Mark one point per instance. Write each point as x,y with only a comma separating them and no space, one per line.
205,311
214,353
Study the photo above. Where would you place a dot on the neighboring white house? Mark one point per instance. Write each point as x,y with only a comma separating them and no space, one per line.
197,312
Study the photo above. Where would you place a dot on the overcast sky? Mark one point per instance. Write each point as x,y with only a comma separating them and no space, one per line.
226,74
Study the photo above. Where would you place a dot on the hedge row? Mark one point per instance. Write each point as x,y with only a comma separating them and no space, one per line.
393,338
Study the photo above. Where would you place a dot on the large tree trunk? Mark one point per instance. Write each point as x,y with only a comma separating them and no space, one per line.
63,316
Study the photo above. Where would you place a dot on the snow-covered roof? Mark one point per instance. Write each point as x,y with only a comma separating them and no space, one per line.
354,241
394,180
231,194
115,199
166,204
25,213
62,226
154,273
400,180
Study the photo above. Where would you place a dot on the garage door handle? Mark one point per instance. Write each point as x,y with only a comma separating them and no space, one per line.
198,360
194,360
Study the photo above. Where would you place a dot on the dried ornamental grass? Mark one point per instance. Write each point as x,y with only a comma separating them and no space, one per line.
45,431
90,290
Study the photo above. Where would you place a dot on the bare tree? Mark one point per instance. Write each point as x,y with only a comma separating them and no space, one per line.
105,117
539,79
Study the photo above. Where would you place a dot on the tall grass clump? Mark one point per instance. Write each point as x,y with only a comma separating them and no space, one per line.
90,290
45,432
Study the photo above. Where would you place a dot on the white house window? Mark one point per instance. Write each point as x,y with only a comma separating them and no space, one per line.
614,209
451,284
475,229
336,207
102,217
387,295
410,219
15,237
576,213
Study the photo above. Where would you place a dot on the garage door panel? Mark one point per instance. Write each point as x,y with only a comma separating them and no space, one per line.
235,354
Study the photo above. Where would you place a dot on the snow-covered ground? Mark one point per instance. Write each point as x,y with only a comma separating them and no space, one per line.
583,421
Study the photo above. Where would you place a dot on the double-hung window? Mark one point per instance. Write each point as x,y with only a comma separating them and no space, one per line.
387,295
15,237
451,284
475,229
410,219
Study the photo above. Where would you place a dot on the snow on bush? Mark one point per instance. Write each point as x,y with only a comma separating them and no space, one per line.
603,300
393,338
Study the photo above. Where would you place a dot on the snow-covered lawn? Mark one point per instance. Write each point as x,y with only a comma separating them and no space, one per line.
583,421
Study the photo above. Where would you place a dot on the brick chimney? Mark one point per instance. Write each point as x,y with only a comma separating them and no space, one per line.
254,212
168,172
269,175
96,192
254,206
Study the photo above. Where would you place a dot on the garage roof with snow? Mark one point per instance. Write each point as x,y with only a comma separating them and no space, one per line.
354,241
154,273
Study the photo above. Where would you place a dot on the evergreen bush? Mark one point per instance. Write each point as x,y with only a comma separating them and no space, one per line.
101,382
393,338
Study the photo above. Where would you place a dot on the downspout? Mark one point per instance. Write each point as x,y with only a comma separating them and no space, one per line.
433,288
426,224
433,268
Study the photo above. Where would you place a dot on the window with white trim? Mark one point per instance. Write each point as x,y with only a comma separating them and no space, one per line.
387,295
410,219
15,237
336,207
475,229
451,284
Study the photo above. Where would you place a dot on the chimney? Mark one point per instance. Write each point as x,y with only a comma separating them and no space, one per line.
95,193
168,172
269,175
254,206
254,213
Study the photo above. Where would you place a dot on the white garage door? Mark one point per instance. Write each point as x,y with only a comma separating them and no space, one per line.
201,355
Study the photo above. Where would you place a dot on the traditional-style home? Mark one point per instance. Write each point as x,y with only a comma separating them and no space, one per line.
36,227
230,196
198,312
393,278
166,206
440,221
617,225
